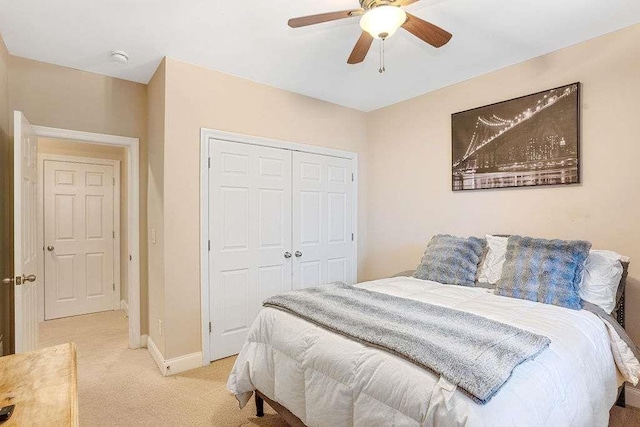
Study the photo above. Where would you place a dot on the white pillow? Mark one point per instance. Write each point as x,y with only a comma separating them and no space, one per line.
491,268
601,277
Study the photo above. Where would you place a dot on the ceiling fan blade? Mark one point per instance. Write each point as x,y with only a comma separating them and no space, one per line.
406,2
323,17
361,48
426,31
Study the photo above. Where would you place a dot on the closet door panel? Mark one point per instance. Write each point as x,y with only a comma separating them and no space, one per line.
250,231
322,220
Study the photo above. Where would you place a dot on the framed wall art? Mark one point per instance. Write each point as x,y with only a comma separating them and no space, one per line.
528,141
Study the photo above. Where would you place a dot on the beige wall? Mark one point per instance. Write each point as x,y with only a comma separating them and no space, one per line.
156,126
79,149
410,197
50,95
197,97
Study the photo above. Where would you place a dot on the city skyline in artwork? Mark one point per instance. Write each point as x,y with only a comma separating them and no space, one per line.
528,141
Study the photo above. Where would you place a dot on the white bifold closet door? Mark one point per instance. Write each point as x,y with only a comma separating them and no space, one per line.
322,216
278,220
250,230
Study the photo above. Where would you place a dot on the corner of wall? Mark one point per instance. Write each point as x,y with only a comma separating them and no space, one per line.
175,365
156,122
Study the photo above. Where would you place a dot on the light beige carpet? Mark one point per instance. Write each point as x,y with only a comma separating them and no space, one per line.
122,387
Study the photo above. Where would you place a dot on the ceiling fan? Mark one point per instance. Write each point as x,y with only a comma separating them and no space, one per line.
380,19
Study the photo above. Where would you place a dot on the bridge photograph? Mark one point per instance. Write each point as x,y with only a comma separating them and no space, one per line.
527,141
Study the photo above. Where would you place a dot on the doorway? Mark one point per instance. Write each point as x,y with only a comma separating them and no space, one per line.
130,251
19,332
79,217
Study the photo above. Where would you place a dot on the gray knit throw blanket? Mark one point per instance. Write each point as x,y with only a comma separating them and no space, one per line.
476,354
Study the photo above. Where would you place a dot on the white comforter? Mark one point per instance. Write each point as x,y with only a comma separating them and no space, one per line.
326,379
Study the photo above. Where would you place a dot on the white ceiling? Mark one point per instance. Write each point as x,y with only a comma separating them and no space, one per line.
251,39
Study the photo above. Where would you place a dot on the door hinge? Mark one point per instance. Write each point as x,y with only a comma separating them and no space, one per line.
130,258
353,177
113,234
114,181
114,287
209,162
209,245
209,327
352,237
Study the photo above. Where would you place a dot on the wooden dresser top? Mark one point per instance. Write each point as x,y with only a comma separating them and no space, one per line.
42,385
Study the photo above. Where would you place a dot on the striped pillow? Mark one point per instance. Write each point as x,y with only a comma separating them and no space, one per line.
451,260
547,271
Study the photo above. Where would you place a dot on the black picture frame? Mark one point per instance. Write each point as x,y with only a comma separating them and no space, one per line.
529,141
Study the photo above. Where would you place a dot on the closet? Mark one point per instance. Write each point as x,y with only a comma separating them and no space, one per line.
278,220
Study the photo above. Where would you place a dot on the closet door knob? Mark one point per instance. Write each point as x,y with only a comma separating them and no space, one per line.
298,254
50,248
287,255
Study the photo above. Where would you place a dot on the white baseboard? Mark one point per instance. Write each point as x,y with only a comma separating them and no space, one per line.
156,355
632,396
175,365
124,306
184,363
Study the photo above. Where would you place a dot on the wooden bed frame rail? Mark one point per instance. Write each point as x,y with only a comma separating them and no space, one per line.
286,415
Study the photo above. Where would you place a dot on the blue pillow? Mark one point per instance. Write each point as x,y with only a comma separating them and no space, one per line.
451,260
547,271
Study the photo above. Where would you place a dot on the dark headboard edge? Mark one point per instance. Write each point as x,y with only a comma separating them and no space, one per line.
619,310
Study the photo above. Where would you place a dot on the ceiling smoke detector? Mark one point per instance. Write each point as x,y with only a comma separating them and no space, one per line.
120,56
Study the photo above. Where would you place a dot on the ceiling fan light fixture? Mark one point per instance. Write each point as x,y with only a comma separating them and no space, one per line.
383,21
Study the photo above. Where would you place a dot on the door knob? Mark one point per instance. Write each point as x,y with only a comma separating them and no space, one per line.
29,278
298,254
19,280
50,248
287,255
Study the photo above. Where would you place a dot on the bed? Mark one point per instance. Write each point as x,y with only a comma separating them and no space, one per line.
315,377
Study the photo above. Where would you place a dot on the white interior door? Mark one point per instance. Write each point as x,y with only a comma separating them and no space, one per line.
250,231
25,145
322,220
79,236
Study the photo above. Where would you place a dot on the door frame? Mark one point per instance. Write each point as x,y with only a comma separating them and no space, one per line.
132,149
43,157
211,134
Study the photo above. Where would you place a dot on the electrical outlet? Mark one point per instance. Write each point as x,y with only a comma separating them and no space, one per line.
160,326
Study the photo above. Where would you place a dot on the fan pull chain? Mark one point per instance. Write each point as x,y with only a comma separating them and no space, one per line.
382,69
